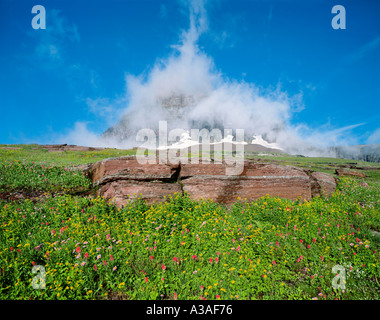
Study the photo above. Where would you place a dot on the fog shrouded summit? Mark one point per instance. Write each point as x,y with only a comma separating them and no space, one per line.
188,91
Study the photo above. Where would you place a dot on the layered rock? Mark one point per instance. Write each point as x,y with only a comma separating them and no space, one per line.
123,179
350,173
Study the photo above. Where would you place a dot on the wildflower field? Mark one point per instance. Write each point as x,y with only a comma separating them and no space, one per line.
183,249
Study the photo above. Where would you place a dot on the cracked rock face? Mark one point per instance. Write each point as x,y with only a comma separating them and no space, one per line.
124,179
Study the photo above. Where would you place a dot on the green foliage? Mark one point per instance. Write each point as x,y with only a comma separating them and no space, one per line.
66,158
268,249
16,175
327,165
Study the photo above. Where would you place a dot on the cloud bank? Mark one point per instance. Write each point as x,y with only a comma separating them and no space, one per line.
188,71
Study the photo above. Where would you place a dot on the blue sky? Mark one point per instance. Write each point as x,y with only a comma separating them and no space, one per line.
75,69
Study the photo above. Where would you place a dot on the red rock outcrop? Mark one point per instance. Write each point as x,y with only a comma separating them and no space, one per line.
348,172
65,147
124,178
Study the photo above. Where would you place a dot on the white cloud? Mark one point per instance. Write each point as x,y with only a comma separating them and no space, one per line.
80,135
106,109
239,105
374,137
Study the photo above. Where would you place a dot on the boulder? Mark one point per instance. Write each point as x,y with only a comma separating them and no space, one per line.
123,191
351,173
128,168
322,183
256,180
123,179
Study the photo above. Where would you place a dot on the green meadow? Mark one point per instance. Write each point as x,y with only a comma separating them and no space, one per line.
58,240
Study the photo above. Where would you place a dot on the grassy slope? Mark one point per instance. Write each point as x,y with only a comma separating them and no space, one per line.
19,154
37,154
66,158
354,207
327,165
